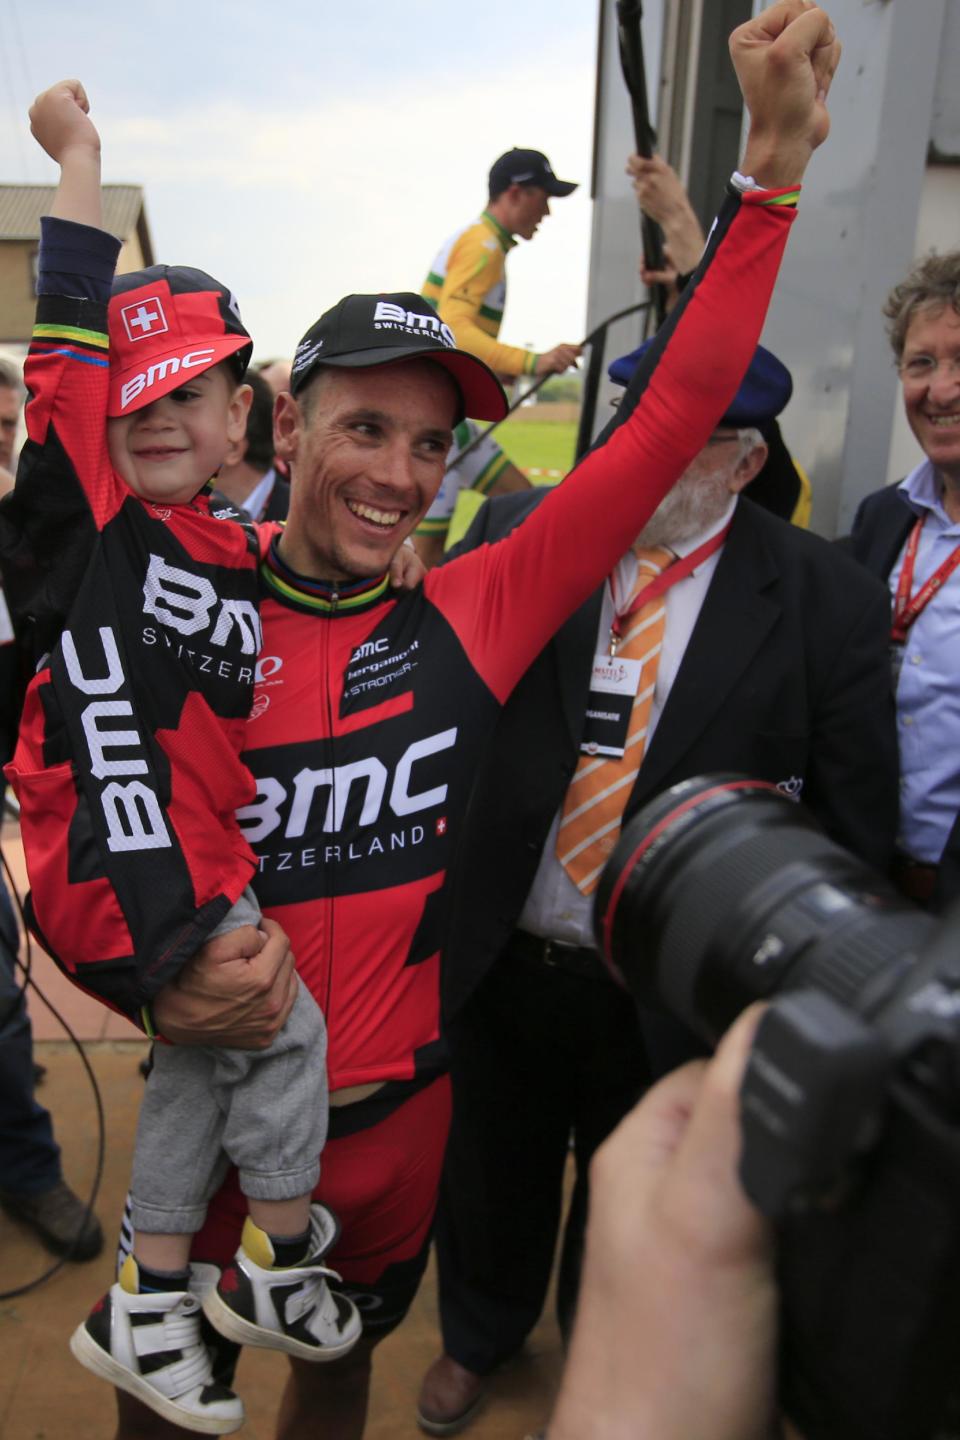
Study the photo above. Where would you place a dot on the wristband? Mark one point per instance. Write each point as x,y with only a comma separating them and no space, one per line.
786,196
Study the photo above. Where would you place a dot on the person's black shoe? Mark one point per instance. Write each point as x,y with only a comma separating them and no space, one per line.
450,1397
59,1218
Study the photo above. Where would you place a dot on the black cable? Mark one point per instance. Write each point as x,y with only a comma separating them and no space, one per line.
25,966
596,333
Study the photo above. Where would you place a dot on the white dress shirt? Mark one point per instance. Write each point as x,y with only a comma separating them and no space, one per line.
555,908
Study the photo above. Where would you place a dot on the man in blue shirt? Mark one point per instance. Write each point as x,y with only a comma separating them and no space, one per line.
909,534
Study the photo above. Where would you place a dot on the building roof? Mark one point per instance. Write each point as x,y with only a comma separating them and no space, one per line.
21,207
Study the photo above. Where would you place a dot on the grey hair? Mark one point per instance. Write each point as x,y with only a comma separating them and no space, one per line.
932,284
750,438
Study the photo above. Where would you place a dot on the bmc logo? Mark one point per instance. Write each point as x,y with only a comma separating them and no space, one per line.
370,647
132,812
160,370
265,815
184,602
386,311
143,318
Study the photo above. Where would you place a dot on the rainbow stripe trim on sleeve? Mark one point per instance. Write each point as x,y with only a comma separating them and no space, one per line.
782,197
96,339
786,198
88,346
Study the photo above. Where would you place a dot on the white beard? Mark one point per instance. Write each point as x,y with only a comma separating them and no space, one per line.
694,504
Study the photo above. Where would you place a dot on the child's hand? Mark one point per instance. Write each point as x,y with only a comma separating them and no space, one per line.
406,568
60,122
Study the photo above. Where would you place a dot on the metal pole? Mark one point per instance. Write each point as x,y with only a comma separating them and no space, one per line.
630,36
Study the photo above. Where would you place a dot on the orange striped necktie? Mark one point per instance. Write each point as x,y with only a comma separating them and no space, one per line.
601,785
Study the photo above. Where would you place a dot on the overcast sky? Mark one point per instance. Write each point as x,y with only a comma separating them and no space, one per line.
299,151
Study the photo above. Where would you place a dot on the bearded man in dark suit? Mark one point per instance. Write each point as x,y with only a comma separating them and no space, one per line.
772,662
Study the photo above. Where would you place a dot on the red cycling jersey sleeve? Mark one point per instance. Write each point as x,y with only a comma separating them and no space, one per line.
526,585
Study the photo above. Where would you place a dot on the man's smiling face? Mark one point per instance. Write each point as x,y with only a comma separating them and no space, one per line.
930,373
368,450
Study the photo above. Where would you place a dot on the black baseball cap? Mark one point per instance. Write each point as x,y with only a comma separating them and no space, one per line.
527,167
362,331
165,323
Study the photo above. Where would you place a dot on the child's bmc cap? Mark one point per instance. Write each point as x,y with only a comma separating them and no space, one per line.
166,323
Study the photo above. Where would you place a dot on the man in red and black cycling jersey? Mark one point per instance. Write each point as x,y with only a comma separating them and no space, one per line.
370,709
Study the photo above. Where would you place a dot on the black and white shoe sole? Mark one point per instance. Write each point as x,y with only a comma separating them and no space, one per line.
244,1332
93,1357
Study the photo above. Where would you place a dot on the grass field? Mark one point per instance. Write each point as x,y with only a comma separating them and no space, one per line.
540,445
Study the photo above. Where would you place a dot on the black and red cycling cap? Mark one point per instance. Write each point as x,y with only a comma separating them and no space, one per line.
362,331
166,323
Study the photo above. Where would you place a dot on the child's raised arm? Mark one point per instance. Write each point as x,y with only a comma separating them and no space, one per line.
60,123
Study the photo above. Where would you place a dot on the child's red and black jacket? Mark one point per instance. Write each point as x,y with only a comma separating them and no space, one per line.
143,623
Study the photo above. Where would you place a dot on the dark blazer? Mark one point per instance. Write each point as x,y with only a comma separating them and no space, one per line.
882,524
880,529
786,677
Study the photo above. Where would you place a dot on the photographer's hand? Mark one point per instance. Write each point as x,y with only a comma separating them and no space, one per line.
676,1324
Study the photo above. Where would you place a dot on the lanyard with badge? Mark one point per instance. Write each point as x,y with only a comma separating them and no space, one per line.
616,679
907,608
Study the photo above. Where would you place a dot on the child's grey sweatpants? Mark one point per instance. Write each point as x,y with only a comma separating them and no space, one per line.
205,1107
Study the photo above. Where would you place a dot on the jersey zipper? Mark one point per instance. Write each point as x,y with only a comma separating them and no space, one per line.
331,886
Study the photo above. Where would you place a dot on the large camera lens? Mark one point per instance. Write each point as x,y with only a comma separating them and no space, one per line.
723,891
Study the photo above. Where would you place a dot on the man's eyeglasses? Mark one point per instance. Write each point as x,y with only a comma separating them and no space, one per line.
918,368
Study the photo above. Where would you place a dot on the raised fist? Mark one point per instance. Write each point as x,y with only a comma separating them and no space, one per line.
59,120
785,61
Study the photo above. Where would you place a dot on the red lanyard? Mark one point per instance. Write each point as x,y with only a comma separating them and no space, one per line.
679,570
905,610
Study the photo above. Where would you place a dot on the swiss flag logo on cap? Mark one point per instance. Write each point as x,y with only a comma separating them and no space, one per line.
143,318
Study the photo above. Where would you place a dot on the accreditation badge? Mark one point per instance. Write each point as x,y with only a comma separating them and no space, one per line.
613,689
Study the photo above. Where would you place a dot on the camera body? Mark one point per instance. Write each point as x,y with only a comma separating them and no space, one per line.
722,891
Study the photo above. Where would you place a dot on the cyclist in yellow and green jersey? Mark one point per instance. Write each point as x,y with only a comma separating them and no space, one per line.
467,280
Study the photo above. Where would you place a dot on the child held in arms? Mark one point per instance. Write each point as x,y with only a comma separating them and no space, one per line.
142,612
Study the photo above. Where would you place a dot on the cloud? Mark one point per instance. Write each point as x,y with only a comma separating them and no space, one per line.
317,151
296,205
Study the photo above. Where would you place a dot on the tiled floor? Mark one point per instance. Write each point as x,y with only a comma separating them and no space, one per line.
45,1394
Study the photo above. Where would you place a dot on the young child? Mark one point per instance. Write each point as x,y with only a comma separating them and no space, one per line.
142,609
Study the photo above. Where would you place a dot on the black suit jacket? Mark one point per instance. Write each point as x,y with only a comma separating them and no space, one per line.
883,522
786,677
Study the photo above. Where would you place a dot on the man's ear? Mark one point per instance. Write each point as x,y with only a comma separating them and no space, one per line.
748,468
237,412
287,424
